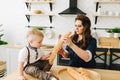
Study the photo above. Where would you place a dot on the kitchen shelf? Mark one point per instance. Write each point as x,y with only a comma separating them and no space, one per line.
107,2
96,16
44,27
104,2
101,28
45,14
52,1
106,15
28,3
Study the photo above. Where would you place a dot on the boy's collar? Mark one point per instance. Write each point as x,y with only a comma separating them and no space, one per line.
32,47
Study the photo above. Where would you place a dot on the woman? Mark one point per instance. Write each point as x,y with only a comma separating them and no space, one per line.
81,46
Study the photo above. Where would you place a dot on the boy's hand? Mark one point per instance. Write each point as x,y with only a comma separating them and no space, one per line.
50,54
49,72
22,78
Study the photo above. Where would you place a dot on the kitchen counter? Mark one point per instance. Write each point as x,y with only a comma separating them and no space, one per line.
16,46
105,74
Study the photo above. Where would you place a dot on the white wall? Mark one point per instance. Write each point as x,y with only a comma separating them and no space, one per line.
14,21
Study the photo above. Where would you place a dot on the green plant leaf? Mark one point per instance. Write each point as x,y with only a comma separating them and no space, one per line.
3,42
1,35
109,30
116,30
40,28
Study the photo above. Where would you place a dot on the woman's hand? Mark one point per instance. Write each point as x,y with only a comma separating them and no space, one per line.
67,41
61,51
22,78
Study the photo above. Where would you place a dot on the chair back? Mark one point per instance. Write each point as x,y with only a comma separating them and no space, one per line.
114,59
101,58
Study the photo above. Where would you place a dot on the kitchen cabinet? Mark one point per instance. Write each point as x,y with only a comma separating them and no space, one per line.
109,42
39,12
10,56
12,60
109,14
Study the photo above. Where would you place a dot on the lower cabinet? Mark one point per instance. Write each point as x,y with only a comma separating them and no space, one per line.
12,60
10,56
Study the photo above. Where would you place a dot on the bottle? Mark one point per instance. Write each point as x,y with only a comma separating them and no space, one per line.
99,10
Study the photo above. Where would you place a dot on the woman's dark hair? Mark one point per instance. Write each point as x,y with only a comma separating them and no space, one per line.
86,33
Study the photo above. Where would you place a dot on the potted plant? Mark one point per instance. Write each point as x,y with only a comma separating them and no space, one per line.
1,41
109,33
116,32
40,28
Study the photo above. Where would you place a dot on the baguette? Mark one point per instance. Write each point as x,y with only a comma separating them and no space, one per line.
57,48
77,75
85,73
73,73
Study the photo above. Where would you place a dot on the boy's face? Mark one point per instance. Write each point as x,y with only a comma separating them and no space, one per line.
36,42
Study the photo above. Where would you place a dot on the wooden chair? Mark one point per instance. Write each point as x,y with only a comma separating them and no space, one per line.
101,58
114,59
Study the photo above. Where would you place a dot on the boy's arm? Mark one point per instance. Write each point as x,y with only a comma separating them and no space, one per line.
45,56
20,70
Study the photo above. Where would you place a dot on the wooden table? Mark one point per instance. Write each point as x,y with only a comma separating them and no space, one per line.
105,74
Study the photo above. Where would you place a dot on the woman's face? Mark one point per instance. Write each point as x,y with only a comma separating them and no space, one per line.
79,28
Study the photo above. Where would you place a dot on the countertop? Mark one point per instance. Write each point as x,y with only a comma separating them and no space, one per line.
105,74
16,46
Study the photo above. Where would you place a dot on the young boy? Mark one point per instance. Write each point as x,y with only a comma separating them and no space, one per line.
32,60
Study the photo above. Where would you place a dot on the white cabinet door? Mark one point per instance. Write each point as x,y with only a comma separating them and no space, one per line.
12,60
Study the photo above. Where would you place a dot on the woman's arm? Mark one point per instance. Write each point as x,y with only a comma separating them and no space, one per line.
83,54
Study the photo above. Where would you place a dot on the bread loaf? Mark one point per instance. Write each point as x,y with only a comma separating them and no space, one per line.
57,48
37,11
80,74
73,73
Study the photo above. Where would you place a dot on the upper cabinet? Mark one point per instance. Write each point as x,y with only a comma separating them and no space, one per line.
99,12
38,12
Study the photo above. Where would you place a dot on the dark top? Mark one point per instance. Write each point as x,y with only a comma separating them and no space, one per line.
76,61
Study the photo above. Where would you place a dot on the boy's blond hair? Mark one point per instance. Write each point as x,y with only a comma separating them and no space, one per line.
33,32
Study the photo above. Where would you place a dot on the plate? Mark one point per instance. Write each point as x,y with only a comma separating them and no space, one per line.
49,33
64,75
